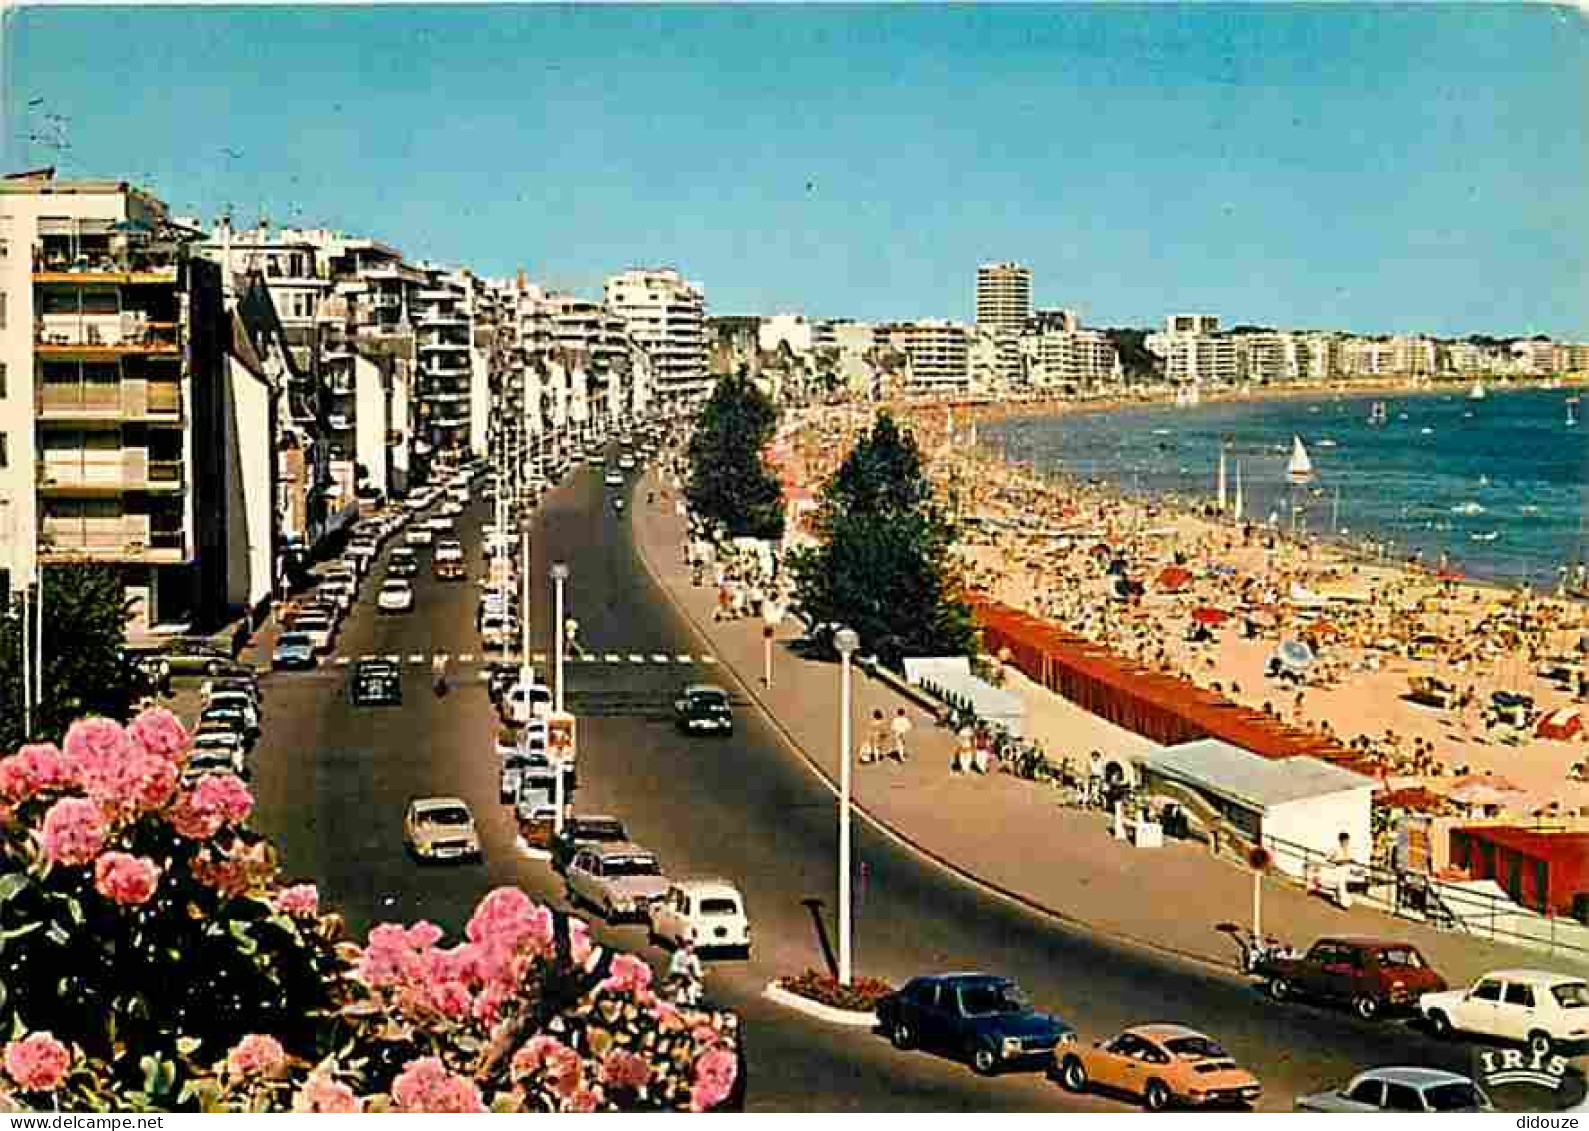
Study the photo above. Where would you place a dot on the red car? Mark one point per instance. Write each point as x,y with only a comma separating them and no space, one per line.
1371,975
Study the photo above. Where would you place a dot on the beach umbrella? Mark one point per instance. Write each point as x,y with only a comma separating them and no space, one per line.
1295,655
1210,616
1102,550
1174,579
1562,725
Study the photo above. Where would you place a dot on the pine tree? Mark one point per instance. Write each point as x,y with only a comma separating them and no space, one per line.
730,483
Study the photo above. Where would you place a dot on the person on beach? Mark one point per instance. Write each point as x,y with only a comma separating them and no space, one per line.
901,728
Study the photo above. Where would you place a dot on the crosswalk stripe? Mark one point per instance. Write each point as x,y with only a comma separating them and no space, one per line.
590,658
484,676
368,656
636,658
539,657
613,658
394,658
465,657
343,661
417,658
685,658
658,658
707,659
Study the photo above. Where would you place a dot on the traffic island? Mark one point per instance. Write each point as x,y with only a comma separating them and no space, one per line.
820,996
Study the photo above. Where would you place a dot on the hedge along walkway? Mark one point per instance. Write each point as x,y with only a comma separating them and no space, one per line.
1060,861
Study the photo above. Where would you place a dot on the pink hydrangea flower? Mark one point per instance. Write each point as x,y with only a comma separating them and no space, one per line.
217,800
74,831
151,781
32,770
160,733
627,974
125,879
623,1069
98,756
256,1056
426,1085
583,1100
715,1072
320,1093
38,1062
581,948
301,901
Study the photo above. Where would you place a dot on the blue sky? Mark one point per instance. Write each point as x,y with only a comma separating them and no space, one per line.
1375,168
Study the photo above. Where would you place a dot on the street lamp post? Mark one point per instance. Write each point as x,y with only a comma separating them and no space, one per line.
525,675
772,614
846,642
559,577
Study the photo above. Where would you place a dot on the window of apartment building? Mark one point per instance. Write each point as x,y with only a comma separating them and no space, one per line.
5,455
2,380
2,310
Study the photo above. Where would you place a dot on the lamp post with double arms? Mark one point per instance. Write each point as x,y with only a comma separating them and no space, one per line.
846,642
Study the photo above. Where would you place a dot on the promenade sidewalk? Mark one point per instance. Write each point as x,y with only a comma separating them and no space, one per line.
1012,835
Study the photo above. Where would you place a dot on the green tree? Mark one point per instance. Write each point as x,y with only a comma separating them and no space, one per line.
882,563
85,667
730,483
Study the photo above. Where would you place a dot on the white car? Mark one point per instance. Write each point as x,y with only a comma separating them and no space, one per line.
613,479
418,535
339,590
498,632
1547,1012
451,509
215,752
440,828
626,462
441,524
619,880
522,704
710,914
395,597
1400,1089
318,628
449,550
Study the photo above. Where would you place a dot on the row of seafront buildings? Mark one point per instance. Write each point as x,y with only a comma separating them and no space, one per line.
1015,349
203,408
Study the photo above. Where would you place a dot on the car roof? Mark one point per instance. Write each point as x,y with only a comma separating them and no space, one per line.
710,885
699,688
620,848
1417,1076
425,803
595,819
967,978
1367,942
1165,1031
1527,975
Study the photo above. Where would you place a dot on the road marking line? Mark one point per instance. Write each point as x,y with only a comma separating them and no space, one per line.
368,656
658,658
442,656
539,657
708,659
417,658
613,658
466,657
685,658
394,658
636,658
343,661
484,676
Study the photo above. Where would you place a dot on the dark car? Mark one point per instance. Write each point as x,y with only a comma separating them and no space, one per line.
704,707
230,717
376,683
191,656
448,571
981,1018
581,831
500,677
1371,975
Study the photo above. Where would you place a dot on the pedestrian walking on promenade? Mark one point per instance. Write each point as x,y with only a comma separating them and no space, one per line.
901,728
876,739
964,749
571,636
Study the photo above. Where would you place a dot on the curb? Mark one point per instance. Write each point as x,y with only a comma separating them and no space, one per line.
815,1009
1026,902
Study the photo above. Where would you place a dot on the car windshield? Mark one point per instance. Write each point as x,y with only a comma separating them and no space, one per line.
719,907
294,640
599,832
631,866
1455,1096
992,997
446,815
1404,957
1571,995
1196,1048
710,700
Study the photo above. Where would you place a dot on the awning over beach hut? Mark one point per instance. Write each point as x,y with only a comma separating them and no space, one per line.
1173,579
1563,725
1210,616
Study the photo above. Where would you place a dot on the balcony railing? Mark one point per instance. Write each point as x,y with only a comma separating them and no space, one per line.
109,471
52,265
63,541
108,334
125,400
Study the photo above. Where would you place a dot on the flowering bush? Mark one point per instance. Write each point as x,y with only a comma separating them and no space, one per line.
143,922
860,996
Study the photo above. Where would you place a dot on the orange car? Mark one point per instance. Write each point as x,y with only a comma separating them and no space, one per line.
1162,1065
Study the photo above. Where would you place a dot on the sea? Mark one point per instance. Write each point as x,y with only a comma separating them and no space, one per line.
1497,488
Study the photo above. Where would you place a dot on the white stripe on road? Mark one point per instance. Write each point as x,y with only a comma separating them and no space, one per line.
636,658
658,658
466,657
539,657
613,658
417,658
343,661
368,656
685,658
589,658
394,658
707,659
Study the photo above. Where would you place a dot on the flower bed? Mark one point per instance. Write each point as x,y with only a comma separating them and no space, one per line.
860,996
152,961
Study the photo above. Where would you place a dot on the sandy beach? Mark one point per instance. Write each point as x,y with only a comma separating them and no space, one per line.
1217,600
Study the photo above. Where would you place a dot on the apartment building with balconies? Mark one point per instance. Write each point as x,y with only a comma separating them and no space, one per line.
112,340
666,315
938,354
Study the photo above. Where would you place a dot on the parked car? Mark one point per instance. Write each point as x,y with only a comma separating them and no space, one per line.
418,534
619,880
1400,1089
613,479
339,590
363,553
982,1018
1547,1012
449,571
234,715
1369,974
190,656
449,550
441,523
247,686
704,707
582,832
1161,1065
395,597
294,650
521,704
318,626
709,914
221,754
440,828
376,683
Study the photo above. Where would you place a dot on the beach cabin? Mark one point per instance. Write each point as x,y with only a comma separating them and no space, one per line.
1297,807
1545,869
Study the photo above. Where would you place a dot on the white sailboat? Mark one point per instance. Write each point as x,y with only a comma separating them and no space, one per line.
1477,393
1377,415
1300,467
1221,480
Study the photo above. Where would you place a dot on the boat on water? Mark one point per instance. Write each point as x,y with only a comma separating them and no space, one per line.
1470,508
1326,442
1299,469
1426,431
1377,414
1477,393
1572,412
1487,536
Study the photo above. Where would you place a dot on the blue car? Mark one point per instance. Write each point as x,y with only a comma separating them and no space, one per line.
294,650
980,1018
